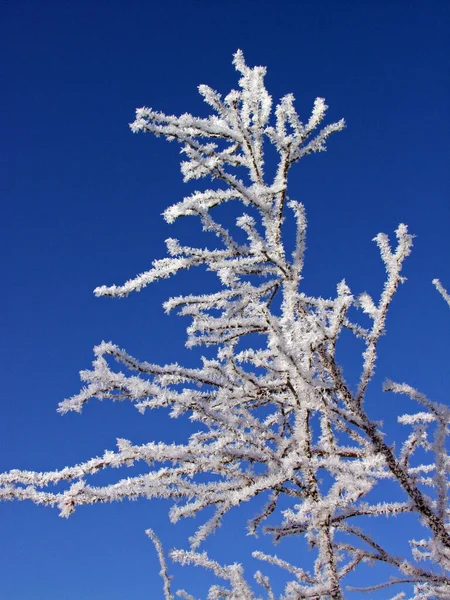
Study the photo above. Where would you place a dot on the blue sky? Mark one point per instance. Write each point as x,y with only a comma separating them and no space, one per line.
81,204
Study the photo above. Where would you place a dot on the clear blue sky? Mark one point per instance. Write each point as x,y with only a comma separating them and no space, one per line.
81,199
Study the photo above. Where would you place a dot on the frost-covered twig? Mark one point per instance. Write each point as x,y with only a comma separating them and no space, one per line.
162,562
440,288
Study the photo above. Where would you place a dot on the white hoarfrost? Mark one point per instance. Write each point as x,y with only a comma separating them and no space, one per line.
276,417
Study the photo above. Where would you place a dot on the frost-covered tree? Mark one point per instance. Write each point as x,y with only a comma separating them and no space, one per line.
276,419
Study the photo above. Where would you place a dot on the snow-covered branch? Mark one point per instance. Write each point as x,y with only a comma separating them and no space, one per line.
276,417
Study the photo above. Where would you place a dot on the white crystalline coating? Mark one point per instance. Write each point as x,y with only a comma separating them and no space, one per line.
274,417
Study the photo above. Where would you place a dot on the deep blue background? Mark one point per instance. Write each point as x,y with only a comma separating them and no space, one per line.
81,204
